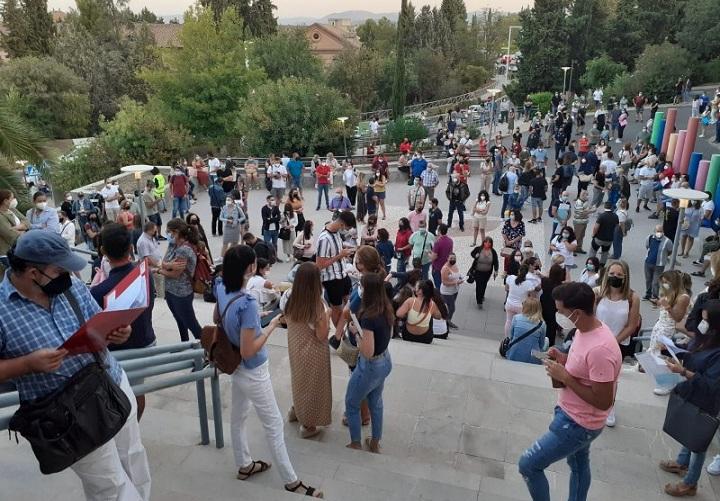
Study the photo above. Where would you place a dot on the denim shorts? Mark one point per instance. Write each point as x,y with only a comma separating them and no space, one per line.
536,203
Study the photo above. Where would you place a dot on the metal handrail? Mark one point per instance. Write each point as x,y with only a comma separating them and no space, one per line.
156,361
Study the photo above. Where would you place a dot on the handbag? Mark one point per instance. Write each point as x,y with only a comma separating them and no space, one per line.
284,234
218,348
298,253
507,251
75,420
506,344
347,351
688,424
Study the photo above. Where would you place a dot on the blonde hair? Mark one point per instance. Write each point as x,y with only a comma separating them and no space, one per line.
531,309
715,263
677,287
558,259
605,288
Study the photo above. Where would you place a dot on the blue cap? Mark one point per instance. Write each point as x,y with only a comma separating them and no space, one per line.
48,247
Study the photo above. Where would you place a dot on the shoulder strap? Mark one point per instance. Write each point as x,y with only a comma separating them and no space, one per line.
74,305
517,340
227,307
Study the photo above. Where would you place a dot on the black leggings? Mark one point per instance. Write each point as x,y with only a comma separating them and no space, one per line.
425,338
481,280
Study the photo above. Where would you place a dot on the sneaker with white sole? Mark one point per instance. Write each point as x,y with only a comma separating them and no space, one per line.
662,391
714,467
610,420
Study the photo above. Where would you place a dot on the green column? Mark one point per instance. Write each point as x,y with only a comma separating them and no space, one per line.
713,174
659,116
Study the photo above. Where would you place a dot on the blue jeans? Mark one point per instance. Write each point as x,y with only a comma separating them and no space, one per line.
184,315
460,208
694,461
617,243
296,182
497,174
323,188
436,278
179,207
566,439
402,264
506,198
367,382
271,237
424,270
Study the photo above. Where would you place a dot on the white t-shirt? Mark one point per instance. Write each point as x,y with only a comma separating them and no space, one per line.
622,215
646,171
588,277
708,205
518,293
106,193
213,165
598,95
374,126
610,166
561,246
67,231
256,287
350,178
278,169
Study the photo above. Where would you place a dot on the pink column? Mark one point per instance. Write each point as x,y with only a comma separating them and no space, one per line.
702,175
678,149
672,143
669,128
689,146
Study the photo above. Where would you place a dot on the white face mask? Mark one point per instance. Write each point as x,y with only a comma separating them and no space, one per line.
666,286
13,203
41,205
564,322
703,327
658,234
228,201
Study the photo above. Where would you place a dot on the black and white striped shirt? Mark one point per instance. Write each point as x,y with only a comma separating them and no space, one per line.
329,244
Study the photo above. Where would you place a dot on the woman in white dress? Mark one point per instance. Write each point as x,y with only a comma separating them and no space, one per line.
479,214
564,244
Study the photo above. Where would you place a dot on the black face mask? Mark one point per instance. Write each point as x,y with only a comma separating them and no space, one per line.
57,285
616,282
452,261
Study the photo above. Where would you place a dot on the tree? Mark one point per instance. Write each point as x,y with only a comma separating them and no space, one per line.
292,114
100,47
658,68
424,28
144,16
260,20
200,87
355,74
51,98
586,25
140,134
399,93
600,72
18,141
405,127
287,53
30,28
377,35
542,42
699,29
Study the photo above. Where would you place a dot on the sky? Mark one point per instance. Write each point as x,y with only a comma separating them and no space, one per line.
310,8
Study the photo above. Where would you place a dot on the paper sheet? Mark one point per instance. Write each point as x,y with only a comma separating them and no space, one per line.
655,366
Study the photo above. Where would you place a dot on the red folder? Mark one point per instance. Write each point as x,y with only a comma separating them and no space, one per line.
123,305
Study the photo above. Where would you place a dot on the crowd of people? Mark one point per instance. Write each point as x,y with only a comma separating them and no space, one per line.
568,302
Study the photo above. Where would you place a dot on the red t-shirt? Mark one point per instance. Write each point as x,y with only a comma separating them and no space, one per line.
583,145
462,171
179,185
322,173
405,147
401,240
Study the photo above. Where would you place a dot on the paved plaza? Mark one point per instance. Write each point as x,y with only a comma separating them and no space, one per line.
457,416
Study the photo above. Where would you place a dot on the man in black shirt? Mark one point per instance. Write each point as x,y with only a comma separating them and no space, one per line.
271,222
538,194
228,178
557,181
261,249
117,247
435,216
670,221
603,233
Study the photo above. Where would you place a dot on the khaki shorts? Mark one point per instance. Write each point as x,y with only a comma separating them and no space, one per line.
479,222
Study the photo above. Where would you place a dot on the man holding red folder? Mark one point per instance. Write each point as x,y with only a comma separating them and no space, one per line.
36,317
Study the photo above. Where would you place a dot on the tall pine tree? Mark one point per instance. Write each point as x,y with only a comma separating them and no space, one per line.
399,91
30,28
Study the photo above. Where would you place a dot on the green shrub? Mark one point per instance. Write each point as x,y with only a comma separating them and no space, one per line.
541,101
405,127
600,72
659,67
707,72
516,94
624,84
473,131
91,163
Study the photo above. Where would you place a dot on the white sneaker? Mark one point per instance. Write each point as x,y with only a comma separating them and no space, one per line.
662,391
610,420
618,141
714,467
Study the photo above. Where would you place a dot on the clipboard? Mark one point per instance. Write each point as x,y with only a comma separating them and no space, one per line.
356,324
123,305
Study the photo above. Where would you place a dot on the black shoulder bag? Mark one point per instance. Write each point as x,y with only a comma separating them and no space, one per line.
506,344
75,420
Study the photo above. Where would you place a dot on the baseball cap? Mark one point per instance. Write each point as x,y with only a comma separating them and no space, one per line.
47,247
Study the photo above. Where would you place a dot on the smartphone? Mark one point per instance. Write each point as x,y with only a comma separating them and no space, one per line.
540,355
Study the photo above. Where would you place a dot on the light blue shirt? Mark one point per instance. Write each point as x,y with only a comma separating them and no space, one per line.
512,180
45,220
520,352
243,314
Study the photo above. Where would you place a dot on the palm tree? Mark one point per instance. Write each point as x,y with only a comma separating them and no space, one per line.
18,141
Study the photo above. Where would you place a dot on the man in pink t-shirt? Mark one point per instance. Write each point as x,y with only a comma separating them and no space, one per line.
588,377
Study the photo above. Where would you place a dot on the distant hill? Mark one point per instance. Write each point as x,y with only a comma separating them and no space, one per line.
356,16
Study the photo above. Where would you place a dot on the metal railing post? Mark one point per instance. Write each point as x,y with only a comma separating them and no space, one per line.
217,410
202,408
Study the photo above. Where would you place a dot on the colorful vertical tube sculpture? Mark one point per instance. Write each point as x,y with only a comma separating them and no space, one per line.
671,145
689,145
713,174
693,167
702,174
678,150
659,116
669,128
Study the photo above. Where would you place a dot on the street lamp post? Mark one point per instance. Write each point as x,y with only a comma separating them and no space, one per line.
342,120
507,62
685,196
493,93
565,70
137,171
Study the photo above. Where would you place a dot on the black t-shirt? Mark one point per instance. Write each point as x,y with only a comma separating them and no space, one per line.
224,172
538,185
525,178
142,334
558,177
381,332
607,222
370,202
434,219
670,223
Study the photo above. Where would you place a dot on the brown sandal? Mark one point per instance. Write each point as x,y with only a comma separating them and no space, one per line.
671,466
255,468
309,491
680,489
374,450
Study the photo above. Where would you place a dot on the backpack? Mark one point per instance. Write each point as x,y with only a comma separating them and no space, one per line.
504,184
203,276
218,348
568,171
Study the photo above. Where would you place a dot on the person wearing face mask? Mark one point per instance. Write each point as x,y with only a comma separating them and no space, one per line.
232,218
41,306
485,264
659,249
270,221
82,208
565,244
587,376
111,198
67,228
42,217
67,206
479,214
416,194
512,179
12,222
457,192
603,232
591,274
518,288
179,186
618,307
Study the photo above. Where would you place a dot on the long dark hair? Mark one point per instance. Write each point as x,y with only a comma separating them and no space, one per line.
185,231
375,302
521,274
307,230
711,339
428,290
237,260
